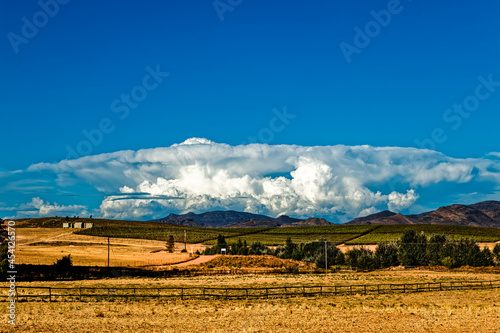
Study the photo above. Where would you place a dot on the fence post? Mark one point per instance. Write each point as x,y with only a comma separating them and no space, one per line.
321,290
80,294
50,295
335,291
267,293
440,286
182,293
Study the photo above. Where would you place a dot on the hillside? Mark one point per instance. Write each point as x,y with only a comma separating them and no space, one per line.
57,222
482,214
216,218
280,222
253,223
310,222
228,218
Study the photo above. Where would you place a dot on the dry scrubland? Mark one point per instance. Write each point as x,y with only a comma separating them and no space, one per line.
455,311
451,311
476,311
43,246
342,278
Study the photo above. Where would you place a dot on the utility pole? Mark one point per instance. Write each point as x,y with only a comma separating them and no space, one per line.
326,260
108,252
185,240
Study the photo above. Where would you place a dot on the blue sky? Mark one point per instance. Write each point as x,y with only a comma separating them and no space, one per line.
233,68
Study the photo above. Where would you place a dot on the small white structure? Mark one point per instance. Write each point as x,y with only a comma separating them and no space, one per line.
78,225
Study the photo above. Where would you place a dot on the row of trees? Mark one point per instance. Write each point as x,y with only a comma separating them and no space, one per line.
310,252
412,249
238,248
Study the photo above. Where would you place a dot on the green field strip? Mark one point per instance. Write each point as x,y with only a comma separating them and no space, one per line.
280,239
390,233
321,230
193,235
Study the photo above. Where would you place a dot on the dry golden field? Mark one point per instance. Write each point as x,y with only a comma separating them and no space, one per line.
342,278
439,311
43,246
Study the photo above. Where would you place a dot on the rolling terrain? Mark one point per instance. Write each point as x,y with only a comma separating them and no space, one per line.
480,221
482,214
229,218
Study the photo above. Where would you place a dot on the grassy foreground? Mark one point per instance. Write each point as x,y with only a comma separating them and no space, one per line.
472,311
455,311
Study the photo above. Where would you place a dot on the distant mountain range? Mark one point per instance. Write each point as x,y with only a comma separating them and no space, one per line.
482,214
234,219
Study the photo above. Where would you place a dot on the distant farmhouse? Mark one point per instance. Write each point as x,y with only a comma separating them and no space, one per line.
78,225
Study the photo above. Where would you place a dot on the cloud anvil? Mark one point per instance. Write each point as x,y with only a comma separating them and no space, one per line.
337,182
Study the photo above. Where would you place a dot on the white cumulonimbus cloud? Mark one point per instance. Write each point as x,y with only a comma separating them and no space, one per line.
39,208
339,181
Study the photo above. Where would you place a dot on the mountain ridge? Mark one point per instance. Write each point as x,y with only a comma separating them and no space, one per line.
481,214
228,218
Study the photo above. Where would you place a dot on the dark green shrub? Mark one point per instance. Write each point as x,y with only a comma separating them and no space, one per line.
436,249
170,244
360,258
334,256
496,253
386,255
412,249
448,262
257,248
64,265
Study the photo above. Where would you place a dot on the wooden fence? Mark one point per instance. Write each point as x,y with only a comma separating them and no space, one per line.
90,294
48,273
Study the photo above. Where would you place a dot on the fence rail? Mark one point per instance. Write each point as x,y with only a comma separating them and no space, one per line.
88,294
